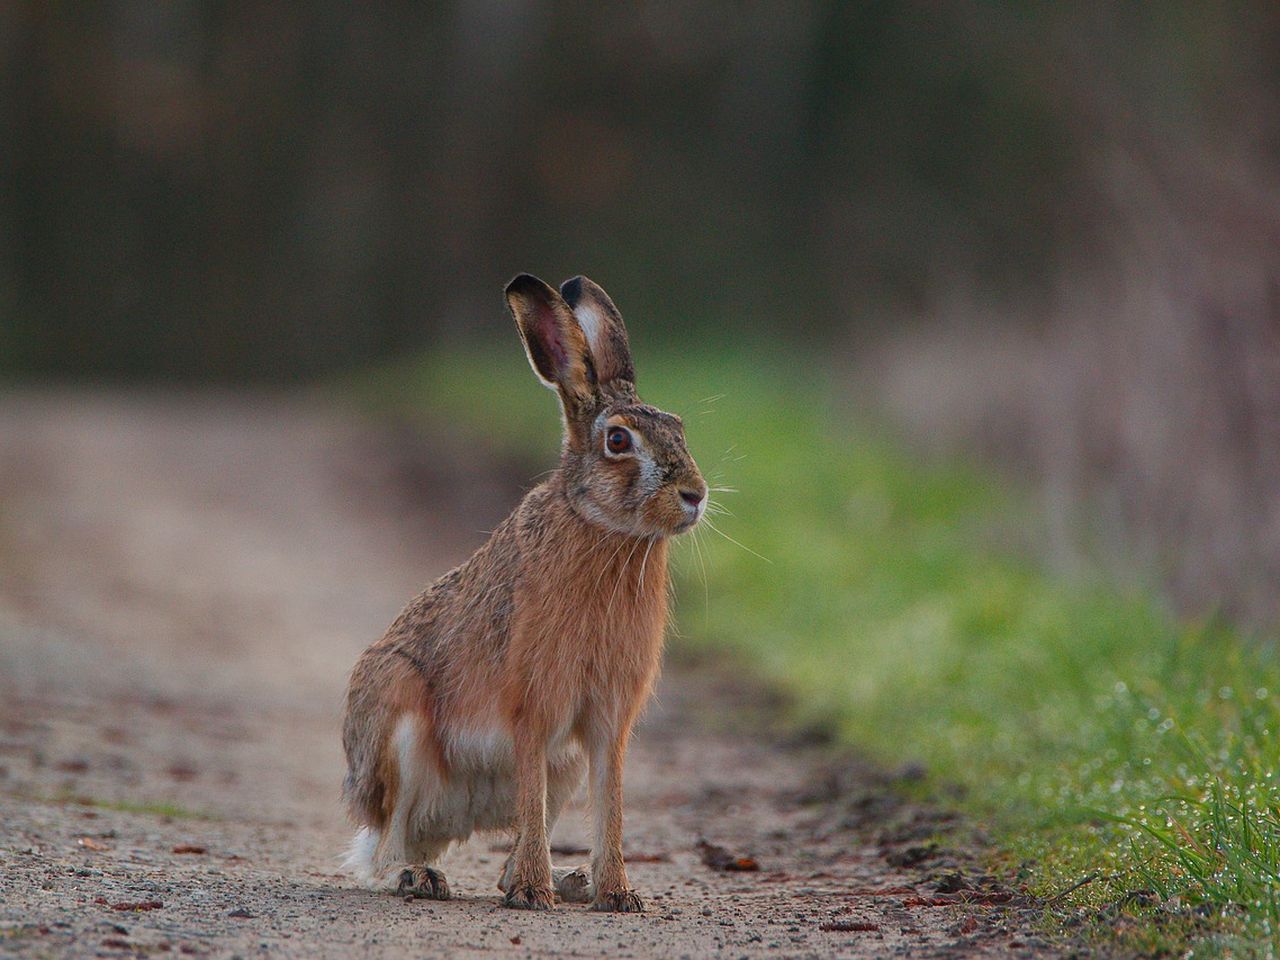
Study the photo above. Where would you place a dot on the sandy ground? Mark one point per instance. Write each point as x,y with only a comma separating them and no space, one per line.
184,584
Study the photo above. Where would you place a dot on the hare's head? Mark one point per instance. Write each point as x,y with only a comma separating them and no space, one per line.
625,463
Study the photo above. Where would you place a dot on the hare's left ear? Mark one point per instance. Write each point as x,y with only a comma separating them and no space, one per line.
557,348
602,324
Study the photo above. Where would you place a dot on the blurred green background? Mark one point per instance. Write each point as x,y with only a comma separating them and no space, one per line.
990,292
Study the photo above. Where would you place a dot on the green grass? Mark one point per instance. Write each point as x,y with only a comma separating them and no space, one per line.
900,604
157,809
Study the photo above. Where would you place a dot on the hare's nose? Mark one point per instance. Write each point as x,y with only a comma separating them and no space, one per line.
692,497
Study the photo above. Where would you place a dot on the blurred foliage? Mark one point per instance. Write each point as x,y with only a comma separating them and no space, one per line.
1100,740
199,190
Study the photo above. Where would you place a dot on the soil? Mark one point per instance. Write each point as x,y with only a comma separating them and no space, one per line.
184,584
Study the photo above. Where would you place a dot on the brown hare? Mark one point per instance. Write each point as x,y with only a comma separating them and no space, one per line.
493,690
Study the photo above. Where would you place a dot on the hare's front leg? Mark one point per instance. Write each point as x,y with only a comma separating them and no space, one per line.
608,871
530,887
571,884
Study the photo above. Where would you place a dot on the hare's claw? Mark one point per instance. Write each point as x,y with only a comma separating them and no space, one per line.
620,901
424,883
527,897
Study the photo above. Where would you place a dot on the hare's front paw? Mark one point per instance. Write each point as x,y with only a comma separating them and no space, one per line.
621,901
526,897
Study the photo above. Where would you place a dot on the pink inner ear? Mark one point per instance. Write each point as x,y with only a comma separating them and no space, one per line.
549,333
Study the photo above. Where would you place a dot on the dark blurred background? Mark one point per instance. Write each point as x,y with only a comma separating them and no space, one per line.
1043,232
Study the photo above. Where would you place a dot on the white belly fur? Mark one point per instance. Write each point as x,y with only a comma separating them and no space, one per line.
480,791
480,794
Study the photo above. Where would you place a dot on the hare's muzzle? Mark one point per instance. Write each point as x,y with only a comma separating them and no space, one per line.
694,502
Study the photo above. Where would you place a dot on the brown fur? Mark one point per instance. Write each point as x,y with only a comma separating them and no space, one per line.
553,629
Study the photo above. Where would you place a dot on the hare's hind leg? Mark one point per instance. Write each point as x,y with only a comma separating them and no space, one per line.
405,850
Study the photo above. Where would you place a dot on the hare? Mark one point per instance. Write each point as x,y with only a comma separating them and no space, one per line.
513,674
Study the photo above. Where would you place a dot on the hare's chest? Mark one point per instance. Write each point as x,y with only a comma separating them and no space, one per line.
586,642
619,667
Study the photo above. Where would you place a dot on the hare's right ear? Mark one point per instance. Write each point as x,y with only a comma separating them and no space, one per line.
557,348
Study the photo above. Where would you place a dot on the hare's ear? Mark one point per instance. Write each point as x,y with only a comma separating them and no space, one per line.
605,332
557,348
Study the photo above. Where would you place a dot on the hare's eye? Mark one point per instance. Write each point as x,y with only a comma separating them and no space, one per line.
617,440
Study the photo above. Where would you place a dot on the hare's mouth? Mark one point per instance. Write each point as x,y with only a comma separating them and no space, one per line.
688,523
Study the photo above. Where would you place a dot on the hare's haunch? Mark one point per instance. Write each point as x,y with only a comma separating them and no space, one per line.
507,678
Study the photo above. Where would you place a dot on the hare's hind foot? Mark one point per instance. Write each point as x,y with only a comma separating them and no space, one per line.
572,884
621,901
422,882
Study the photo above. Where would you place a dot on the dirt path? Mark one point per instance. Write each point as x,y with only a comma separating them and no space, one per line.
183,587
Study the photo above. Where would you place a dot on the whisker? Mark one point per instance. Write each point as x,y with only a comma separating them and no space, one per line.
622,542
621,576
735,542
645,561
706,591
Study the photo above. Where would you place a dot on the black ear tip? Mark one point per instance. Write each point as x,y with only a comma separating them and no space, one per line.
525,283
571,290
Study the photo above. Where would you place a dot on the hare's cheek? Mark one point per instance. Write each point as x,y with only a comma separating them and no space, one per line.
648,475
627,485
